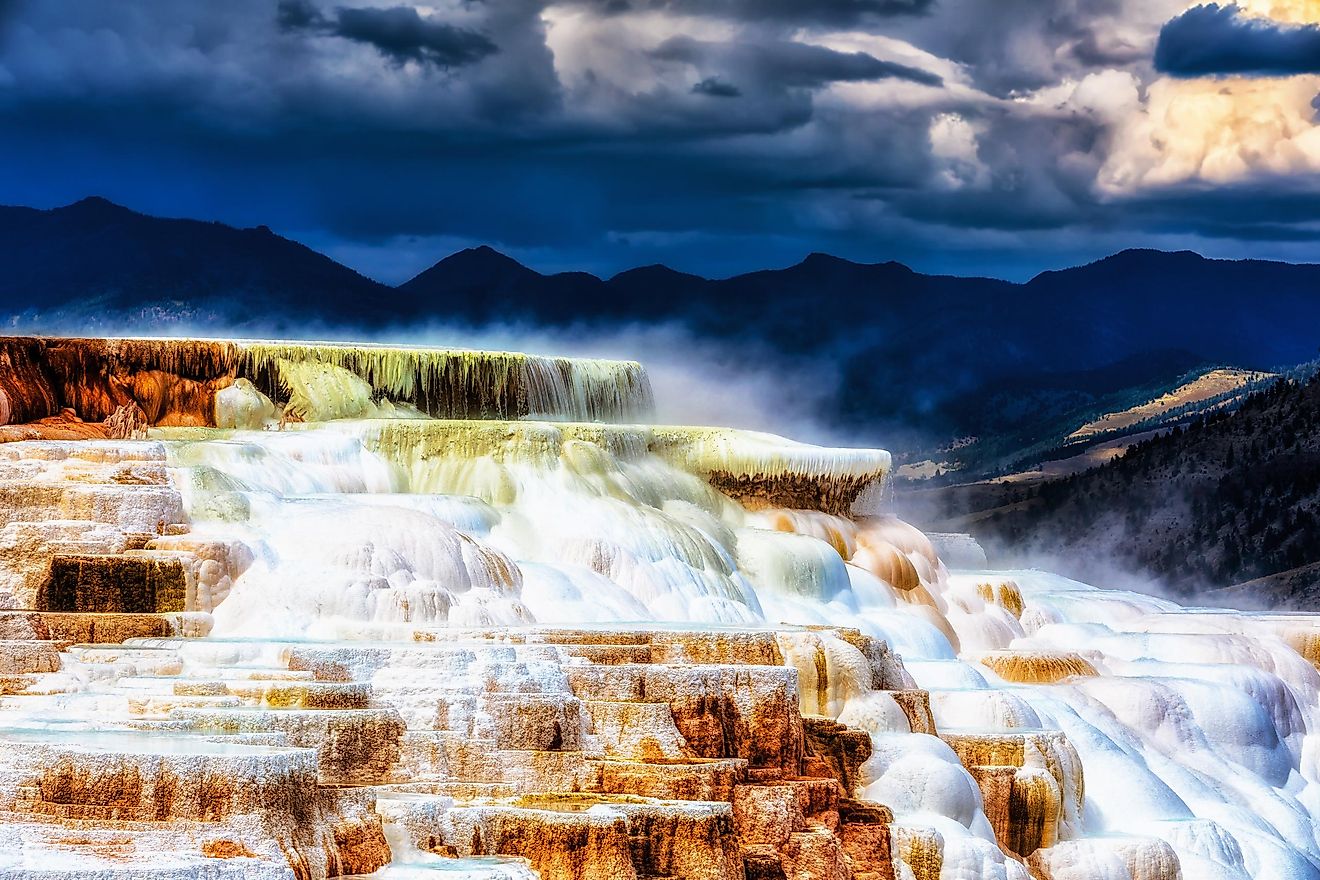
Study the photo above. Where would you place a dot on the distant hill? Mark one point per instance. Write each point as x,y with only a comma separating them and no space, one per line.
1020,419
948,356
1207,389
96,261
1230,503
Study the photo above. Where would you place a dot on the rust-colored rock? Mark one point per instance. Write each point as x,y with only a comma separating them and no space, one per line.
842,748
128,422
734,712
118,584
64,426
865,831
835,495
26,391
353,746
686,780
1036,667
226,849
916,706
98,629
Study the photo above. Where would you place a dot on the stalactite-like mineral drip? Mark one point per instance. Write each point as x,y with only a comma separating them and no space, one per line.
762,470
26,392
174,381
461,384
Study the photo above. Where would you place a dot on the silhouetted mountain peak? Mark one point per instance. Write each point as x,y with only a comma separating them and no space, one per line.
102,261
654,273
1150,256
486,257
95,202
1131,260
818,263
96,207
477,267
819,259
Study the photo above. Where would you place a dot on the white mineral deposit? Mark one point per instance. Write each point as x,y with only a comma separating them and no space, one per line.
441,614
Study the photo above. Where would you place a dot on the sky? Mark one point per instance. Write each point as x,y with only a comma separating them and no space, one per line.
996,137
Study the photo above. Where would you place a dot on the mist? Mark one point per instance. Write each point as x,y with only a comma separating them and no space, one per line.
697,380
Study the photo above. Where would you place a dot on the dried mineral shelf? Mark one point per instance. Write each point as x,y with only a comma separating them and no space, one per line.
174,381
759,470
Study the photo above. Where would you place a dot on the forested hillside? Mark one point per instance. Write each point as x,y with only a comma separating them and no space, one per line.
1230,498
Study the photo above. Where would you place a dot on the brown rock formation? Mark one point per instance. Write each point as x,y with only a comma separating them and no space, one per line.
82,499
237,802
26,391
843,749
170,381
128,422
90,583
1030,781
64,426
173,382
1036,667
801,492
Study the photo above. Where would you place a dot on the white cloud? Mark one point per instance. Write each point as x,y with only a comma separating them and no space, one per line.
1292,11
953,144
1215,132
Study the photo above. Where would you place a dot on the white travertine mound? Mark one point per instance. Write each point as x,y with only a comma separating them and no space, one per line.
243,407
409,647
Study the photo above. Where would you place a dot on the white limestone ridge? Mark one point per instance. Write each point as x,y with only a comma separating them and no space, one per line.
589,649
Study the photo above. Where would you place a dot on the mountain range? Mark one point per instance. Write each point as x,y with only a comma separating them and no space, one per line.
952,355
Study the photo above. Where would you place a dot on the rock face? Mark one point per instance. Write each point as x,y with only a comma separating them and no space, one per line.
409,645
129,804
91,583
137,382
169,382
583,769
92,502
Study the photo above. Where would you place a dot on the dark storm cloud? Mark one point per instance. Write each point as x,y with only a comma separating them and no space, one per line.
834,13
1213,40
1253,232
1280,212
716,88
765,129
785,64
295,15
399,33
1097,50
1009,46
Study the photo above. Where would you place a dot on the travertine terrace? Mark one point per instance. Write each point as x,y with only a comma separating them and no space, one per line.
295,610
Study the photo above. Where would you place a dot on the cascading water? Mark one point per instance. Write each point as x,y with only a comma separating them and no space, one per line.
1070,732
